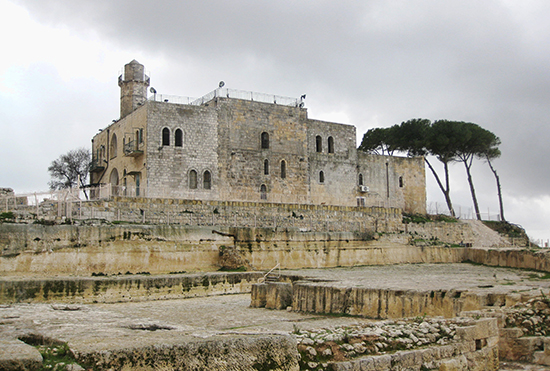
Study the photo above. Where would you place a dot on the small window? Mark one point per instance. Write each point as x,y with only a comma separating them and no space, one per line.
361,179
263,192
193,179
318,144
266,167
330,145
265,140
207,180
283,169
178,138
321,177
165,137
140,135
400,182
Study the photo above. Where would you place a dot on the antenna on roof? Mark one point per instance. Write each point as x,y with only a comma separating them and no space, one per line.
221,84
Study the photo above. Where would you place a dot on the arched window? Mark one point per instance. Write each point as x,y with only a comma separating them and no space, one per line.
283,169
179,138
263,192
321,177
165,137
193,179
265,140
113,146
360,179
207,180
400,182
318,144
330,145
266,167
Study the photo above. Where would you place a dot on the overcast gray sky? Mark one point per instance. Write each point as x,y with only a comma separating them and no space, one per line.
369,63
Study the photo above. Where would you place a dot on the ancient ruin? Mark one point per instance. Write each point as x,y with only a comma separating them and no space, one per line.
235,233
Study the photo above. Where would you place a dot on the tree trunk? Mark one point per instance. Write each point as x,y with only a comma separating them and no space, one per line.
468,165
499,190
446,190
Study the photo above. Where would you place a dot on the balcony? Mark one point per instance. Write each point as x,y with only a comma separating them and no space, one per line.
97,165
133,149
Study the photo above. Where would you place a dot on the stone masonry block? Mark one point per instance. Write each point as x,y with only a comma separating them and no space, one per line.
279,295
258,295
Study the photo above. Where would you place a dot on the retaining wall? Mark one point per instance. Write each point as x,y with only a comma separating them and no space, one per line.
86,290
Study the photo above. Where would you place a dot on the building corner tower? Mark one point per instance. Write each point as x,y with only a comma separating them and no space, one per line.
133,87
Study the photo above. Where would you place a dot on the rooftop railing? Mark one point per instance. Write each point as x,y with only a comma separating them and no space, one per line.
230,93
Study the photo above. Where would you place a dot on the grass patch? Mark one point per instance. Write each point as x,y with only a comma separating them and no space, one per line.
56,356
507,229
421,218
7,216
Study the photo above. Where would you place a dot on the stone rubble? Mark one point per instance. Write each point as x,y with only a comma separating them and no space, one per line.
533,317
336,344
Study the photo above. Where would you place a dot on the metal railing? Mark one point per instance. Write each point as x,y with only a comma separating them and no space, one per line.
133,147
264,278
436,208
229,93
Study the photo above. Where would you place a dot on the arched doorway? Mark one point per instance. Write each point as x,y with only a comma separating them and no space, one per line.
113,179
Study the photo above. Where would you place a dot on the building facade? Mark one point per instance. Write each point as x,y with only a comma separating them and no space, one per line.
239,146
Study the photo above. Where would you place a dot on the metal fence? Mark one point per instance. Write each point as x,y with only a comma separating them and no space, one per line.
229,93
435,208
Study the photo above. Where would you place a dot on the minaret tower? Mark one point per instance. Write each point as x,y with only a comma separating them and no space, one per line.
133,87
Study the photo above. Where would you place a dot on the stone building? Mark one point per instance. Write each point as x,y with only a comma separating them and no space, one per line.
241,146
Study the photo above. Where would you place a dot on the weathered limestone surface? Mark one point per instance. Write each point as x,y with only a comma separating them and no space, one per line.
380,303
16,355
243,353
514,258
408,290
124,288
82,250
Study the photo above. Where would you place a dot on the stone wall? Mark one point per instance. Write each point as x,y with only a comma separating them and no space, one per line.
168,166
322,218
157,249
513,258
241,156
475,349
315,297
